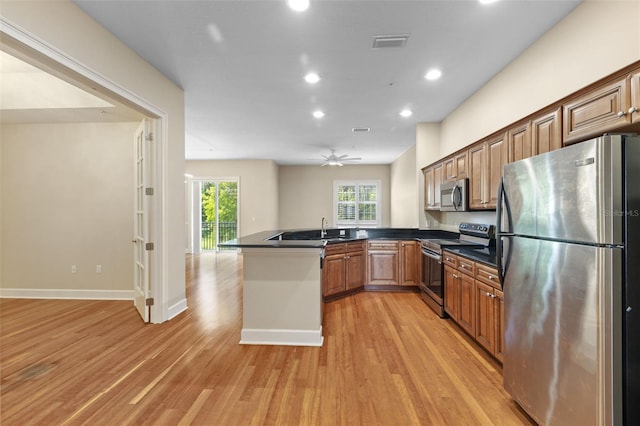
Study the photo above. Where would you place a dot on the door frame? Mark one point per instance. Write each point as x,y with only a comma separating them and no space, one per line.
66,67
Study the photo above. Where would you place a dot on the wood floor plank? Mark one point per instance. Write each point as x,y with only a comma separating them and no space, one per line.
386,360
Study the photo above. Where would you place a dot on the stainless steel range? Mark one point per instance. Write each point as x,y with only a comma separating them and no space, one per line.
431,285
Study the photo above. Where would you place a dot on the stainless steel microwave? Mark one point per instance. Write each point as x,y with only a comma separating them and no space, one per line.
454,196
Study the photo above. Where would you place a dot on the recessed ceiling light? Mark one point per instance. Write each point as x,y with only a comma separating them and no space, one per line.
406,113
318,114
487,1
312,78
298,5
433,74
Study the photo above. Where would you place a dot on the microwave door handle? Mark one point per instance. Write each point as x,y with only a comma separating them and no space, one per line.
457,203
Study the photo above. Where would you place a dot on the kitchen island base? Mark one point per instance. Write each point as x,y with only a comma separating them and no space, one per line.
282,297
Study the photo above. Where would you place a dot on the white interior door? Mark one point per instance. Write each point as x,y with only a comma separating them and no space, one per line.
142,184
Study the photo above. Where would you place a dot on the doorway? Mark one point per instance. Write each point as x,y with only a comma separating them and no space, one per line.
215,218
121,103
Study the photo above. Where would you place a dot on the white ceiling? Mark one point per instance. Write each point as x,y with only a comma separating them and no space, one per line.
241,64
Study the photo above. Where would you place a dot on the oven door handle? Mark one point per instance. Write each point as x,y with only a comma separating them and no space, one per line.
432,255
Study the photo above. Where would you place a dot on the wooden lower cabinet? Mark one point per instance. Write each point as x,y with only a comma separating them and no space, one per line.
459,293
410,265
490,319
383,263
473,299
343,268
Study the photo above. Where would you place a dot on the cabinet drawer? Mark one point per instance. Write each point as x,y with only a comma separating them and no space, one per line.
449,259
466,266
383,245
488,275
355,246
330,249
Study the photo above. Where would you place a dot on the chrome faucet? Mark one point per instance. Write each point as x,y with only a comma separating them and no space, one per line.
323,229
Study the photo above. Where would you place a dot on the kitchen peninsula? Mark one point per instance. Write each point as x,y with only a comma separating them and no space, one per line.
282,287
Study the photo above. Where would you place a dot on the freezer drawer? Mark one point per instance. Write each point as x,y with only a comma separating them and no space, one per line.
562,310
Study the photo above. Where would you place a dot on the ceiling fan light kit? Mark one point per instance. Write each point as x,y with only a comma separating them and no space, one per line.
337,160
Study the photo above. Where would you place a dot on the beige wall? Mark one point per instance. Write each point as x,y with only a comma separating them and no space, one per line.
67,200
258,189
404,186
595,40
64,27
306,192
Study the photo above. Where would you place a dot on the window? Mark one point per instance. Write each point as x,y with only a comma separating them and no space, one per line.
356,203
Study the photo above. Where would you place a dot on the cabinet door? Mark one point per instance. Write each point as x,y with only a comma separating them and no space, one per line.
409,261
498,303
546,132
496,158
485,327
519,143
449,169
355,270
467,307
634,108
455,167
383,268
451,293
596,112
437,181
428,189
476,176
333,278
461,162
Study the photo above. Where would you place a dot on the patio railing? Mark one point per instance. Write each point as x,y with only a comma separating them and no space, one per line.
226,230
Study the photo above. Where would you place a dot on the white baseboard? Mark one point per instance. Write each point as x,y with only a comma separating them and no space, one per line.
177,309
38,293
281,337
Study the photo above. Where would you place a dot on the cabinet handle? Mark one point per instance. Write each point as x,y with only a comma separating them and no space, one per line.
463,266
456,276
632,110
491,277
489,294
621,114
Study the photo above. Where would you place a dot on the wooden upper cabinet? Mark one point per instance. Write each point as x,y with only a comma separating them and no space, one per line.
597,111
546,132
519,142
455,167
485,170
432,182
634,108
476,167
496,158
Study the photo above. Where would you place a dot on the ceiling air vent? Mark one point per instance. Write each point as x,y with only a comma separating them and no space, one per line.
385,41
361,129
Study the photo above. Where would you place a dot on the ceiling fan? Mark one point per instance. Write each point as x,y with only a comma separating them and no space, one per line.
337,160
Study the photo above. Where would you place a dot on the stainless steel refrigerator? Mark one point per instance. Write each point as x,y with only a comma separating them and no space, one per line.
569,252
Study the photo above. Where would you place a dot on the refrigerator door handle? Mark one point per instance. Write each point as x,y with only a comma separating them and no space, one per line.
502,201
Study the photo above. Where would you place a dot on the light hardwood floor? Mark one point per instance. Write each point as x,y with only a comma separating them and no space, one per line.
386,360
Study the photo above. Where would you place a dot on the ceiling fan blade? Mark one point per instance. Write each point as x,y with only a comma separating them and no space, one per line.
351,159
343,156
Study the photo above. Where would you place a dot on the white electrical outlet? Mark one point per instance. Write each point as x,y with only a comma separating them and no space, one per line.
98,269
73,269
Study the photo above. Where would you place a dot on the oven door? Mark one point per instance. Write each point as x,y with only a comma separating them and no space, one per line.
431,281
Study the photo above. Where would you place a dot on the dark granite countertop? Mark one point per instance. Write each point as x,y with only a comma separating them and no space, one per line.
310,238
484,255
